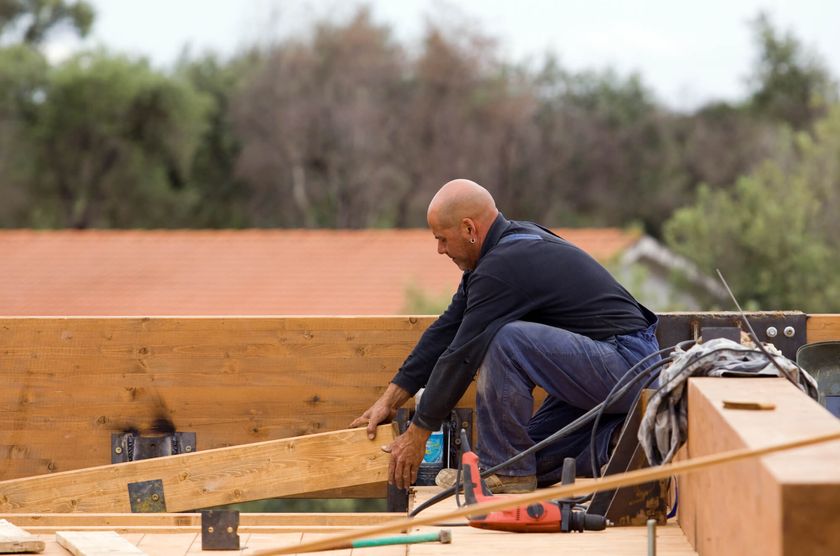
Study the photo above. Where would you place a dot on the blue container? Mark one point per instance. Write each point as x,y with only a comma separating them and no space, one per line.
432,460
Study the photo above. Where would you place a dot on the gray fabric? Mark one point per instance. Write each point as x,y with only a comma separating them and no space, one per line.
665,422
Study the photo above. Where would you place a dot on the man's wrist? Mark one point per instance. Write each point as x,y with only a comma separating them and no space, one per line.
418,431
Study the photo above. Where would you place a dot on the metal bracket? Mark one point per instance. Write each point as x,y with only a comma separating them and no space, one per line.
784,329
132,446
219,530
633,505
397,498
464,420
147,496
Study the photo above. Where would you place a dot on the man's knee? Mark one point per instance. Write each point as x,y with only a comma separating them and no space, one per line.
502,351
509,338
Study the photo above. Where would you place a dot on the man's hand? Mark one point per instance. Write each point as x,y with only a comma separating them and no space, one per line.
379,412
407,452
384,410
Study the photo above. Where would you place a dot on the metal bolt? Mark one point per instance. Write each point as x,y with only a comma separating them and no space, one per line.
772,332
210,529
188,448
789,331
155,497
230,529
118,450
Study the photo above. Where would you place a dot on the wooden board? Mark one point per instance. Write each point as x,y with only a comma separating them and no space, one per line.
213,477
72,520
822,328
69,383
173,523
103,543
14,540
783,504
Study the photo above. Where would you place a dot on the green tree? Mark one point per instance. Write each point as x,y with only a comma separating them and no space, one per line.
224,196
31,21
113,144
23,76
790,84
775,234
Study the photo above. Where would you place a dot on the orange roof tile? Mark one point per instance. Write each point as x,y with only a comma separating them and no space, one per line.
233,272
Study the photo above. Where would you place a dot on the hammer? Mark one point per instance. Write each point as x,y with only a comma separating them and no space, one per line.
443,536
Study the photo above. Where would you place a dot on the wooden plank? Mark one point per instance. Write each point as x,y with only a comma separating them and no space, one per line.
13,539
822,328
104,543
781,504
70,520
69,383
213,477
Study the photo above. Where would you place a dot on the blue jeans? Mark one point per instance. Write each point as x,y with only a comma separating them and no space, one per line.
576,371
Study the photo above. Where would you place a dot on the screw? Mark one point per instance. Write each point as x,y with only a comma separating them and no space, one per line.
772,332
155,497
789,331
210,529
230,529
188,448
118,450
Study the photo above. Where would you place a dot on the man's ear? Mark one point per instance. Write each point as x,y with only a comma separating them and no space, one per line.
468,228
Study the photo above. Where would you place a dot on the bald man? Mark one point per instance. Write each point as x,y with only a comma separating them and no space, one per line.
531,310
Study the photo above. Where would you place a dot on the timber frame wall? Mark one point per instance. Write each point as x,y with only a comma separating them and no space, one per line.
70,382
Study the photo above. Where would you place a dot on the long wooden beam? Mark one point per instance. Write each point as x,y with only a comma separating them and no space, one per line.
210,478
824,327
783,505
71,520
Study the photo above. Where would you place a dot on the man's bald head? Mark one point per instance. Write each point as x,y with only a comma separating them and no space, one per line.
459,199
460,215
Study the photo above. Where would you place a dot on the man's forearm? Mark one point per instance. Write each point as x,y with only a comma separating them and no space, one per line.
394,396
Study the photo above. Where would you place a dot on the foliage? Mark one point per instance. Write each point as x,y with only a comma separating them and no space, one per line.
34,20
790,84
113,142
775,235
420,302
223,195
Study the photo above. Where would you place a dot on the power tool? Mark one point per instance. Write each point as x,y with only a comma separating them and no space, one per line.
539,517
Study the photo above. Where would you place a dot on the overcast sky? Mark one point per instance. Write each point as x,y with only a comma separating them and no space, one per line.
687,52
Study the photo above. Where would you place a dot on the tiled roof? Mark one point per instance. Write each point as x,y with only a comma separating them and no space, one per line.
233,272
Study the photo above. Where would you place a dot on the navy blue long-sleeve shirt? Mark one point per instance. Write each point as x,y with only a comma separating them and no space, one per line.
524,272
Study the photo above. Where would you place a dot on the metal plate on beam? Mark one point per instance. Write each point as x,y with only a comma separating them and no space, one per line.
784,329
219,530
147,496
131,446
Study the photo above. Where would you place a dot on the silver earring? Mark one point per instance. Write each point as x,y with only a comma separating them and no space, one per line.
472,240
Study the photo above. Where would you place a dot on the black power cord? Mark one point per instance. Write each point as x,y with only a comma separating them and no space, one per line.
586,417
565,431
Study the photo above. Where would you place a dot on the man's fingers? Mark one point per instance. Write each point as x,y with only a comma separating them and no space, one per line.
391,465
371,430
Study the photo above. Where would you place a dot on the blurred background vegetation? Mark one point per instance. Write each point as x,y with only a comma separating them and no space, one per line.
343,126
